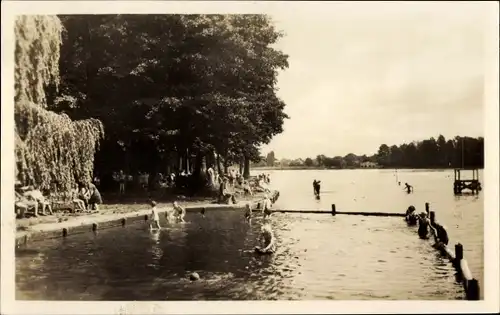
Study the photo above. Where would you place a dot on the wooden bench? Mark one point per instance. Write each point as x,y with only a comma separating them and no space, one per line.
61,201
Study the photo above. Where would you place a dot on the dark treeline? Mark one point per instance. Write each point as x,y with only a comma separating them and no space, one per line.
431,153
173,92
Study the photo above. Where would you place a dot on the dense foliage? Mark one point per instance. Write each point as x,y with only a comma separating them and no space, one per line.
431,153
441,153
173,90
50,148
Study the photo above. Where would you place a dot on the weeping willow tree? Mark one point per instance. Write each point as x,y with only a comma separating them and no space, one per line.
51,149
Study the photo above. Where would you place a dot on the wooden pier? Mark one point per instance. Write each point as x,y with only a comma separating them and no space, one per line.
460,184
441,240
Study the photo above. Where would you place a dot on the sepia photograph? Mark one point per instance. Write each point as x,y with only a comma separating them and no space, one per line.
282,151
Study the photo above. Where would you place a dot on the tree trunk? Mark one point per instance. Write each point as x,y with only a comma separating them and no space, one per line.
246,170
179,166
187,161
219,170
200,167
226,166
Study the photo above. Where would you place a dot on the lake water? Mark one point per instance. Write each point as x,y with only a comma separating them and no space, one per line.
319,256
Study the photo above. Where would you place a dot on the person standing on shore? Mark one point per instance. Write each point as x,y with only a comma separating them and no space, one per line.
122,179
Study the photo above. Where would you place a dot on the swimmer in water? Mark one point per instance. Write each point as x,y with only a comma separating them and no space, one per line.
180,212
409,188
423,225
248,213
267,239
155,218
266,208
411,216
170,215
316,187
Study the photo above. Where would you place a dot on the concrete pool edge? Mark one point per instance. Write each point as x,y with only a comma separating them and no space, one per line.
85,224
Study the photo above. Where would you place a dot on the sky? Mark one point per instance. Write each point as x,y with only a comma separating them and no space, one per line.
364,75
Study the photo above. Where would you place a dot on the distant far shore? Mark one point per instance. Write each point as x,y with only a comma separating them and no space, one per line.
278,168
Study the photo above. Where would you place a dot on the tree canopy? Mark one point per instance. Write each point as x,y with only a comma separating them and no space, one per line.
170,87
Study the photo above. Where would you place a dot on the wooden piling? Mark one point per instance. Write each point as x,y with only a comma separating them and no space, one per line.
472,290
459,252
470,284
334,210
146,217
64,232
94,227
123,222
445,250
464,270
427,208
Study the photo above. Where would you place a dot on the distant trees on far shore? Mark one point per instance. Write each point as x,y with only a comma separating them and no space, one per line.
458,152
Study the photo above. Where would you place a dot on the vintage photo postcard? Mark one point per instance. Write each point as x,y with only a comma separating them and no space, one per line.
204,157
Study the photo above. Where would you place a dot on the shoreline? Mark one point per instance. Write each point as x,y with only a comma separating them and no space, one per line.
101,220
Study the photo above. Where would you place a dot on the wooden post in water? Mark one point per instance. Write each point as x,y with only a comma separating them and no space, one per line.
94,227
459,253
65,232
472,290
334,210
123,221
427,208
432,218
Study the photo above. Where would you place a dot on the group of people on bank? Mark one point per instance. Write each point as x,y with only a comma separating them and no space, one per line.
30,200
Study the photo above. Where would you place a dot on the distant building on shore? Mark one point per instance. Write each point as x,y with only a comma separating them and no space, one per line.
369,164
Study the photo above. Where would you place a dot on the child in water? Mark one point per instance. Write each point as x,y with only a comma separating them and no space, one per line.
248,212
267,239
266,208
180,212
155,218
